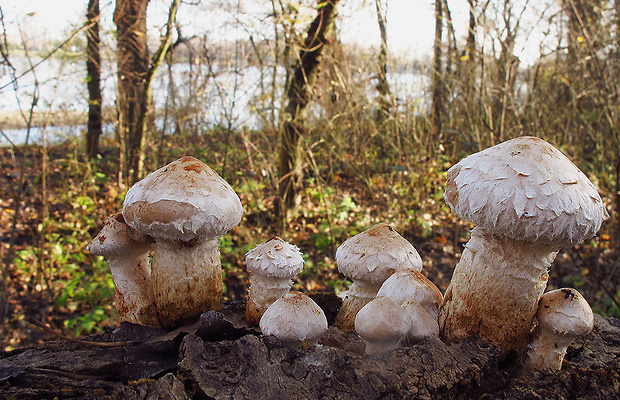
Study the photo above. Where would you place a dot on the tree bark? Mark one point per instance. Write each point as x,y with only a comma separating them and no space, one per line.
93,69
437,107
133,67
298,94
383,87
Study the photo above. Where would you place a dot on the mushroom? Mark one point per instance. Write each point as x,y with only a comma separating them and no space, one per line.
127,254
422,323
411,285
271,264
382,323
368,259
186,207
563,316
528,200
294,318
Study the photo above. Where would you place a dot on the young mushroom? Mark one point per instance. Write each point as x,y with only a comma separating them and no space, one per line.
410,285
271,264
382,323
127,254
294,318
368,259
528,200
563,316
422,323
186,207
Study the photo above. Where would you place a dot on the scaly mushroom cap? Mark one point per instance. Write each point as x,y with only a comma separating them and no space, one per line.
276,258
526,189
375,254
294,318
183,201
116,238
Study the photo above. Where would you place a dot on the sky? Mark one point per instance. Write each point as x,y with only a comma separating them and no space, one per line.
410,22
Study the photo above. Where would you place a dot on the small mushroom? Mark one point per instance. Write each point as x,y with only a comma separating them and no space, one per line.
127,254
294,318
271,264
563,316
410,285
382,323
368,259
186,207
422,323
527,200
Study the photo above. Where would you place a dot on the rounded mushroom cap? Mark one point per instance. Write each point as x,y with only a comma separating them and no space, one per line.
422,325
566,312
526,189
411,285
276,258
116,238
375,254
182,201
382,320
293,318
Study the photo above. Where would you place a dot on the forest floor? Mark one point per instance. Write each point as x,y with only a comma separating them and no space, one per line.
64,200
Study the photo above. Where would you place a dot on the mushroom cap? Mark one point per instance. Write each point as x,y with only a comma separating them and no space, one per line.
276,258
375,254
382,320
526,189
116,238
411,285
423,324
293,318
182,201
566,312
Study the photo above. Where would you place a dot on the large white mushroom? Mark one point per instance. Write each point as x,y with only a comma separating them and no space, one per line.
527,200
410,285
563,316
186,207
368,259
127,254
271,264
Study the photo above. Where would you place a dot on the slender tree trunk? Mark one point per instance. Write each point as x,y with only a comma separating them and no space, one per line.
93,69
437,111
383,87
298,94
133,66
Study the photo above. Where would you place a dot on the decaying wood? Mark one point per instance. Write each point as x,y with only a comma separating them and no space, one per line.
220,357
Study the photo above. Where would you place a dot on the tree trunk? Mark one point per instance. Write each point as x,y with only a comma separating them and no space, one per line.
133,66
437,108
298,94
93,69
383,87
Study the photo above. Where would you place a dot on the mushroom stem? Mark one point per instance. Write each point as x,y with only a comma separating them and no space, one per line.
476,301
263,291
187,280
360,293
127,254
546,351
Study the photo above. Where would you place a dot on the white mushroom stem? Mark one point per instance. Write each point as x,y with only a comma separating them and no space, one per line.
264,290
359,294
128,259
563,316
494,291
187,279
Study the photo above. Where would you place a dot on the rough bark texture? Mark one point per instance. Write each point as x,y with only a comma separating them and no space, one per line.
219,357
93,69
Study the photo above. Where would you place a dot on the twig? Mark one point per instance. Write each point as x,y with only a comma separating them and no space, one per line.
88,342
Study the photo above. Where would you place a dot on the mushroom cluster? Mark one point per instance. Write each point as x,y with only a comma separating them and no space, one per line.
183,209
527,200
